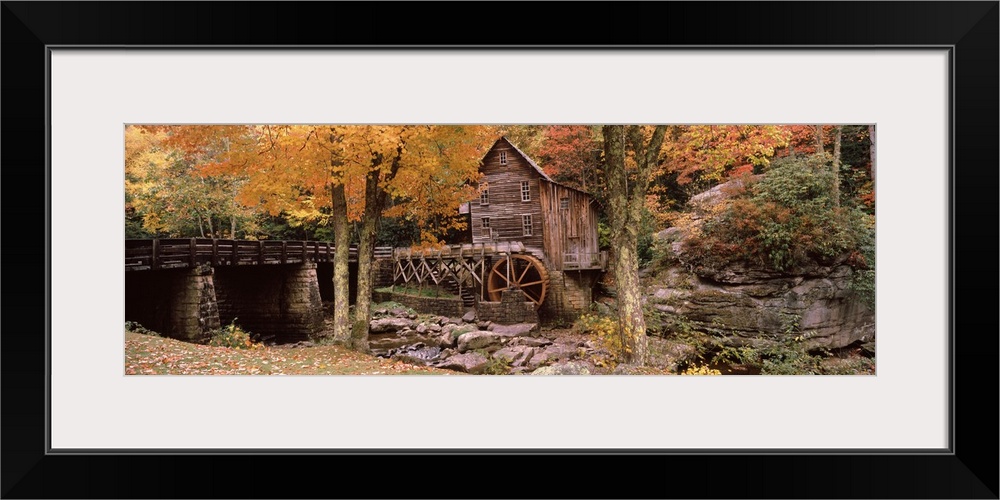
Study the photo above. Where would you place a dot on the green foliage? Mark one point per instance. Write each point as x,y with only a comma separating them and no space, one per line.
790,322
644,243
397,232
742,355
232,336
655,322
173,200
135,327
789,359
792,358
786,219
863,281
680,326
849,366
603,235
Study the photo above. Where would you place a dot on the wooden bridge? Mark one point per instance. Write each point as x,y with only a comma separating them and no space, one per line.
207,282
141,255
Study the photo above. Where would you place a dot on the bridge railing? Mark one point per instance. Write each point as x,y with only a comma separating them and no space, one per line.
460,250
585,260
168,253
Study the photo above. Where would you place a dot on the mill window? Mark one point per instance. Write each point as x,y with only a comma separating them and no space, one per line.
525,191
526,223
486,227
503,157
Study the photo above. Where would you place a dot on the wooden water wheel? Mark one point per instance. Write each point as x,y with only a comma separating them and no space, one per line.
522,272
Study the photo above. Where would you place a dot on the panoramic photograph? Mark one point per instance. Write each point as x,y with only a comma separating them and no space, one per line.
651,250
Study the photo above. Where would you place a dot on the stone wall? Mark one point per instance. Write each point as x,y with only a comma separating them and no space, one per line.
450,307
179,303
569,296
280,300
383,269
514,307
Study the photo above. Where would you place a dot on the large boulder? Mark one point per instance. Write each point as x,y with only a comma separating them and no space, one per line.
567,368
554,353
389,325
516,356
469,362
515,330
447,339
457,329
531,341
670,354
488,341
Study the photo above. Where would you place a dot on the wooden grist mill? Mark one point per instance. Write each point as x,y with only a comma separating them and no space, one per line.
529,233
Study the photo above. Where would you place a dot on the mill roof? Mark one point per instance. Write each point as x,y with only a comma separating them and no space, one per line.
535,165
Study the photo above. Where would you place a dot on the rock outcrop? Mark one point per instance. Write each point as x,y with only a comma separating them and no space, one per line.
813,303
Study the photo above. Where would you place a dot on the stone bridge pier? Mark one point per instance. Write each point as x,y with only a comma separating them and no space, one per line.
187,304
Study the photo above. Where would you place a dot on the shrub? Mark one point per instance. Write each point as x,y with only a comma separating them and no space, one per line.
785,219
605,331
234,337
788,360
863,261
700,370
743,355
496,365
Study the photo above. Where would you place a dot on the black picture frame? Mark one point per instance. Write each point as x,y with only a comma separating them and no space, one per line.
968,470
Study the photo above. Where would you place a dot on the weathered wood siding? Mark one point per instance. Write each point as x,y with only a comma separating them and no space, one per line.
505,208
570,221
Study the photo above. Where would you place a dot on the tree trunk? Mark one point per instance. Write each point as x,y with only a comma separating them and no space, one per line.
632,323
627,204
819,139
366,284
366,254
341,274
835,194
232,226
375,200
871,152
211,229
201,228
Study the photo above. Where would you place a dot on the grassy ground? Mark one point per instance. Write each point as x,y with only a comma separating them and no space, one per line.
430,291
151,355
